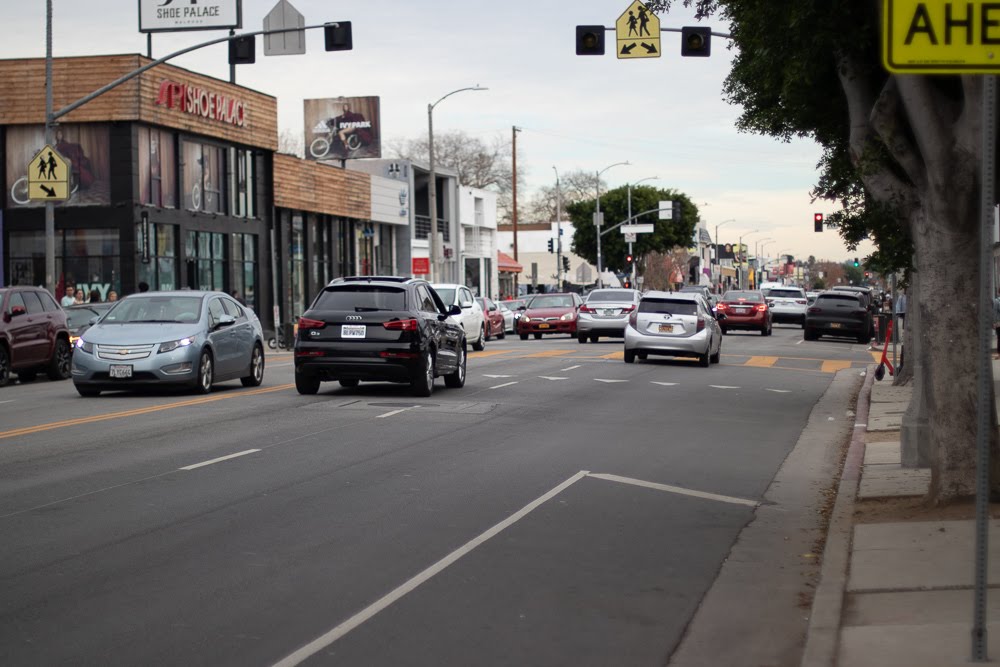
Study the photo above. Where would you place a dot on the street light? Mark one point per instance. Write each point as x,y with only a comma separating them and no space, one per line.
597,218
432,186
559,283
743,256
648,178
756,258
763,243
718,261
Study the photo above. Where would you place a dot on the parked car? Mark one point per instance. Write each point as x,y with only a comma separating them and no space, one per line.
492,318
787,304
185,338
509,318
517,306
471,317
839,313
549,314
80,317
389,329
33,335
605,312
676,324
710,298
745,309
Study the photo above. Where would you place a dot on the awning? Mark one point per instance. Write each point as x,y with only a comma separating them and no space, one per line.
506,263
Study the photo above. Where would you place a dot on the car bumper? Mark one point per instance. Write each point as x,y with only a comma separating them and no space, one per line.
755,321
603,326
178,367
837,327
378,362
676,346
552,327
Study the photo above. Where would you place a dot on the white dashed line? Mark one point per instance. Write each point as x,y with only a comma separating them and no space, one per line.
221,458
570,368
505,384
609,381
665,384
721,386
552,377
497,376
800,342
396,412
780,391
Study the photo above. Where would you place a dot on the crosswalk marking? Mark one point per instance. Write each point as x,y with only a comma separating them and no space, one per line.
761,362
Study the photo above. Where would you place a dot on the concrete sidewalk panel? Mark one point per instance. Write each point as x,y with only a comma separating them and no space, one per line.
893,481
933,645
917,555
882,452
883,392
885,422
915,607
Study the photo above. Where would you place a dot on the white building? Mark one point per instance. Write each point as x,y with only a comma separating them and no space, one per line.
477,219
534,256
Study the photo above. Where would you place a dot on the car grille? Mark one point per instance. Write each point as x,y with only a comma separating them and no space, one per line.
124,352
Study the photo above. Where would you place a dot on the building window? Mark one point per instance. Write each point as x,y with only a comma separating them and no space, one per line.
203,178
384,251
157,168
296,254
87,259
242,176
244,269
161,271
206,257
321,254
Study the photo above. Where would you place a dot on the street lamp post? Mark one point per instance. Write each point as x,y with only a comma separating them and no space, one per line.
432,183
718,260
764,243
743,257
559,282
597,219
648,178
756,258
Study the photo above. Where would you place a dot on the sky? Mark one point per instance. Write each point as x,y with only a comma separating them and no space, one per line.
665,116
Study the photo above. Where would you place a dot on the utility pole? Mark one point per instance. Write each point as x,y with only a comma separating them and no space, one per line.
513,215
559,280
50,211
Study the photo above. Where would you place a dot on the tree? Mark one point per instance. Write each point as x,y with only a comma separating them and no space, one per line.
574,186
902,154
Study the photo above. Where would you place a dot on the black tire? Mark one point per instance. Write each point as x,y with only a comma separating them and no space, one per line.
87,392
704,361
810,334
4,366
724,330
349,384
480,345
642,356
256,368
629,356
59,366
26,376
502,334
594,339
581,338
524,336
864,338
206,373
422,384
306,384
456,380
717,357
538,336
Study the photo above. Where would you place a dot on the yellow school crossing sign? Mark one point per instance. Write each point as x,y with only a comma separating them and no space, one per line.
945,36
48,176
638,32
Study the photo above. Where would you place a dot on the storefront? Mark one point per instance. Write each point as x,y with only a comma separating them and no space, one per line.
508,270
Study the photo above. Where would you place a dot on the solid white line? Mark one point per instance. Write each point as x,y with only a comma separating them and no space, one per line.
552,377
570,368
609,381
321,642
665,384
780,391
505,384
396,412
861,426
496,376
221,458
721,386
676,489
10,401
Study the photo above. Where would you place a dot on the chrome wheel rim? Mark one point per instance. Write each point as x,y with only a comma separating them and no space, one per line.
429,374
461,364
258,364
206,371
63,359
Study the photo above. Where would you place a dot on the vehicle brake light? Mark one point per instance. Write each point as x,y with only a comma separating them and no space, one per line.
633,319
306,323
721,306
398,355
701,324
587,309
761,307
814,310
627,309
401,325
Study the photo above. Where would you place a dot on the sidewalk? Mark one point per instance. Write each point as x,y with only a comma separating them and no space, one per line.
896,592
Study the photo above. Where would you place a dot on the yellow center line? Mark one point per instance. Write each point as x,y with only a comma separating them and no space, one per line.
761,362
138,411
614,355
489,353
549,353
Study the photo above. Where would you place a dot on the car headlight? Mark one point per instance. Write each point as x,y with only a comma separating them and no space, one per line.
174,344
568,316
525,318
85,346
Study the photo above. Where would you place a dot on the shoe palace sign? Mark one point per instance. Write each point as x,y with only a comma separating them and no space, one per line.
198,101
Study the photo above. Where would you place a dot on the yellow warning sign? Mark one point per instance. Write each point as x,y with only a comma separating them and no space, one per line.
48,176
638,32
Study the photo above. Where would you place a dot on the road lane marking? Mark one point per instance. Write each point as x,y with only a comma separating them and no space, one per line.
489,353
328,638
497,376
830,366
552,377
505,384
665,384
761,362
570,368
609,381
800,342
138,411
396,412
675,489
221,458
614,355
10,401
547,353
721,386
780,391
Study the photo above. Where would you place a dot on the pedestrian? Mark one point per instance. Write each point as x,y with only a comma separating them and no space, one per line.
78,298
239,299
112,296
95,296
68,299
143,286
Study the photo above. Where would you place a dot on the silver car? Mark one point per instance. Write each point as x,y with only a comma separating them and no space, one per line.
184,338
605,312
676,324
788,304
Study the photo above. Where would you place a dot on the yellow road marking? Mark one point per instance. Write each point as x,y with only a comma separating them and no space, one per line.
877,356
138,411
761,362
614,355
834,366
489,353
548,353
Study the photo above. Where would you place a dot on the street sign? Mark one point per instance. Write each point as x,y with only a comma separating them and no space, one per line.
637,229
599,219
283,17
421,266
638,32
629,237
48,176
920,37
666,210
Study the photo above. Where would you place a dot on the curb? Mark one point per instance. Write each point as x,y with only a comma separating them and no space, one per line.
822,638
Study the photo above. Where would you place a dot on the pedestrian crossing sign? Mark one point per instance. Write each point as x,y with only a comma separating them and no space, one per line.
48,176
638,32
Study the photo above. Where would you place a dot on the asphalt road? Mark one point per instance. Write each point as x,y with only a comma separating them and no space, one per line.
562,508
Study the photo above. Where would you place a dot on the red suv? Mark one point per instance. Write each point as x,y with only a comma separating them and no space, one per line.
33,335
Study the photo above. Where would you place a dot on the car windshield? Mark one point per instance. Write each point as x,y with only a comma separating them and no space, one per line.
785,293
668,306
734,295
361,298
156,308
514,304
78,317
610,295
447,294
551,301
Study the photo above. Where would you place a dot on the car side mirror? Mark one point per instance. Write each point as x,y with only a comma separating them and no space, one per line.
17,310
225,321
455,310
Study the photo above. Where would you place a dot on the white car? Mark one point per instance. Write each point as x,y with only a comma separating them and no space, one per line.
471,319
508,317
675,324
788,304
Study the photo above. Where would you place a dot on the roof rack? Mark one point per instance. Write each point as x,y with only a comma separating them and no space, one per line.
369,279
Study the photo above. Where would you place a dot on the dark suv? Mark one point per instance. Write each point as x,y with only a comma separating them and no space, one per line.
33,335
379,328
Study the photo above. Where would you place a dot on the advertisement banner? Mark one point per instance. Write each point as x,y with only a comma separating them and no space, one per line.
342,128
181,15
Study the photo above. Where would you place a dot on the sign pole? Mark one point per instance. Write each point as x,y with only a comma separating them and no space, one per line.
50,212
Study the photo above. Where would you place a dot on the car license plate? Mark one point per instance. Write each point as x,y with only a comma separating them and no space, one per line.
608,312
666,328
353,330
543,326
120,371
835,325
741,311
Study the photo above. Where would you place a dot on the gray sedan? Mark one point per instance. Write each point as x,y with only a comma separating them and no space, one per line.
676,324
185,338
605,312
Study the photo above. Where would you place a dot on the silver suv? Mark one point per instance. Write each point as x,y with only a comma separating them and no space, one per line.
788,304
676,324
605,313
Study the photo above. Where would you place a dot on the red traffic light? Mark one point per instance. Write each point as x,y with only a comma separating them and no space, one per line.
818,217
818,222
628,259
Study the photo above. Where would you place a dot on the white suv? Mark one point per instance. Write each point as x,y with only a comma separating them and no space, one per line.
471,319
788,304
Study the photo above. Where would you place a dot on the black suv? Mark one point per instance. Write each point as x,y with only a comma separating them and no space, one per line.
33,335
379,328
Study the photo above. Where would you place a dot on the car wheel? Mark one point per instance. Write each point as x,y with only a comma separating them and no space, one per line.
629,356
864,338
206,373
423,383
456,380
4,366
538,336
88,392
256,368
715,358
524,336
594,339
703,360
480,345
306,384
26,376
349,384
810,334
59,366
641,355
502,335
581,338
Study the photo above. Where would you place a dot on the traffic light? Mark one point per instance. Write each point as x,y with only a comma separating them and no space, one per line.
818,222
565,261
242,51
590,40
338,36
696,41
676,210
629,258
627,284
551,245
856,262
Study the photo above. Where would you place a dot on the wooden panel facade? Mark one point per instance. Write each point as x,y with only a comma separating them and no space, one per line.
303,185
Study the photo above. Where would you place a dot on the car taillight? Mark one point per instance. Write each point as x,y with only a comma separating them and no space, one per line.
587,309
633,319
701,324
306,323
401,325
802,301
721,306
761,307
627,309
814,310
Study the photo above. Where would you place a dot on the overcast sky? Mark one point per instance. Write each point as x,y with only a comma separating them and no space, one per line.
665,116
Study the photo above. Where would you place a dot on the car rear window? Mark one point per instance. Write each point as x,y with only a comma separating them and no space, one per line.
361,298
551,302
668,306
755,297
610,295
835,299
786,293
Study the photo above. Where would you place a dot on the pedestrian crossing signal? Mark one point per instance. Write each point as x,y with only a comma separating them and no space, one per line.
338,36
590,40
818,222
696,41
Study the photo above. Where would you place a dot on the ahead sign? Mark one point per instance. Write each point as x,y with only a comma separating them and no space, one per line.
955,37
